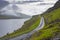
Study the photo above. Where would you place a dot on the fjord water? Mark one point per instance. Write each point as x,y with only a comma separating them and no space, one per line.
9,25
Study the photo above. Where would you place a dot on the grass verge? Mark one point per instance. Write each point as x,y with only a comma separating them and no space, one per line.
27,27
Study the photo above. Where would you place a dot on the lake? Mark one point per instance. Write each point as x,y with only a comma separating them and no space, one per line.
9,25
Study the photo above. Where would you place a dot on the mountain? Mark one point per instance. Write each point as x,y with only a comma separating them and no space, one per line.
57,5
29,7
13,11
6,14
51,30
53,12
9,12
23,16
13,16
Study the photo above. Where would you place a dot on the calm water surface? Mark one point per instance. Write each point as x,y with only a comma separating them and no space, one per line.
9,25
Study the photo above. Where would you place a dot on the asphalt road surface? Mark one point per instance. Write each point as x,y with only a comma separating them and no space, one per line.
27,35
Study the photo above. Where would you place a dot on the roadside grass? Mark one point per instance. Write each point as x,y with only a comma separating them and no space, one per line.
51,28
46,33
27,27
52,16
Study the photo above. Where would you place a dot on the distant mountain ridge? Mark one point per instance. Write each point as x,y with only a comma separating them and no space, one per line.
57,5
19,16
10,13
51,30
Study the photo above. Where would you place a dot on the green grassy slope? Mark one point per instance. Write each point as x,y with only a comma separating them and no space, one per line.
51,29
27,27
46,33
52,16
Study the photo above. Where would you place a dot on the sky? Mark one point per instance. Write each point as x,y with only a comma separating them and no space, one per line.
32,0
28,8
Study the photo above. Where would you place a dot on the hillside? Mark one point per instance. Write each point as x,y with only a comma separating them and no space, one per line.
19,16
51,30
28,26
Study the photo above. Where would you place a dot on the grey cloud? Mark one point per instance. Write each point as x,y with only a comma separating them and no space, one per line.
3,4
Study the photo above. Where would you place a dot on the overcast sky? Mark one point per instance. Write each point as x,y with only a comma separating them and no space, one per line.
30,8
33,0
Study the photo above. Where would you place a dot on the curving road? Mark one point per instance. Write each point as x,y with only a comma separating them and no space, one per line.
24,36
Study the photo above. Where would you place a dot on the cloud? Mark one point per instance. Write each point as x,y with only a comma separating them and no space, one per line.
3,4
28,8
